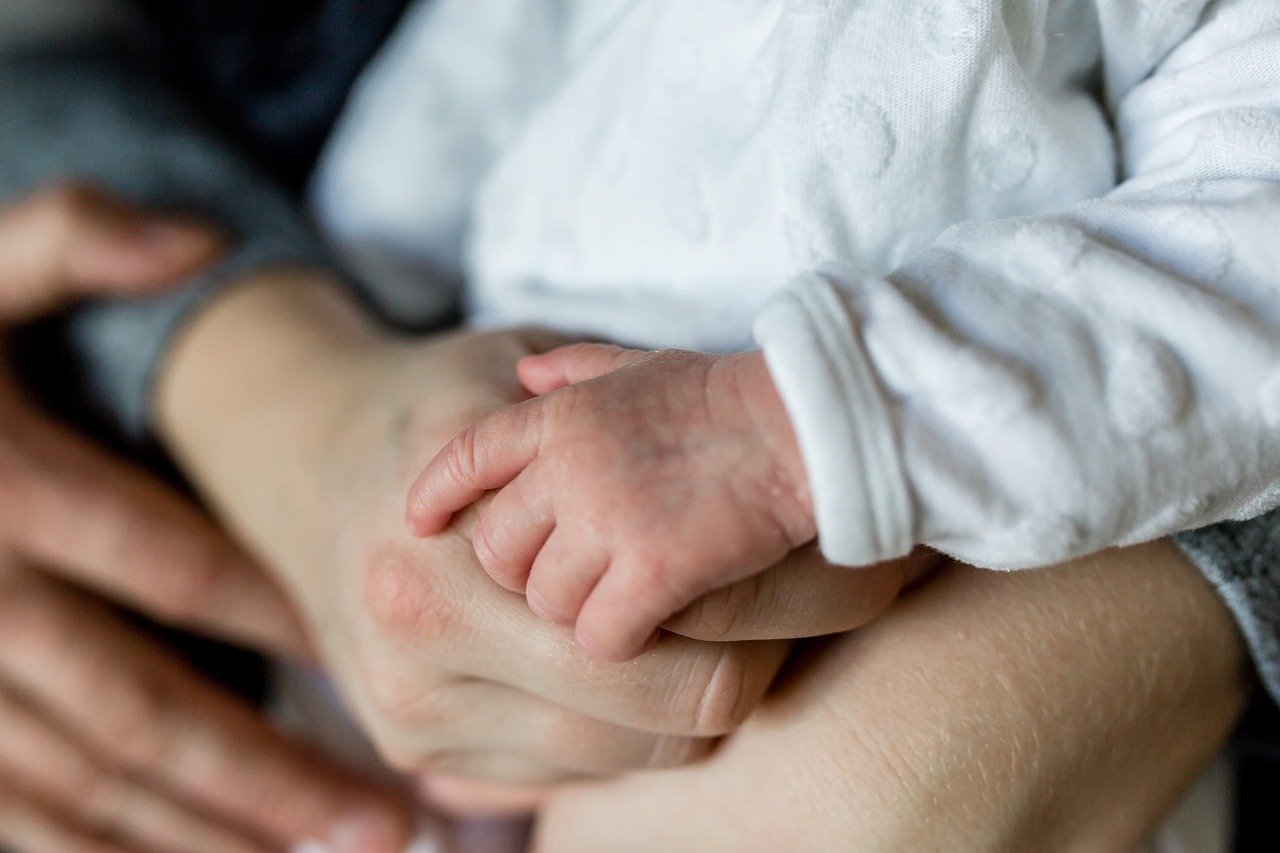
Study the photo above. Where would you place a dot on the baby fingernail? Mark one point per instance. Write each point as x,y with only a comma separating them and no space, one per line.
366,832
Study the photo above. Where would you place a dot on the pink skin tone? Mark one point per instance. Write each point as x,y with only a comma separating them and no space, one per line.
631,485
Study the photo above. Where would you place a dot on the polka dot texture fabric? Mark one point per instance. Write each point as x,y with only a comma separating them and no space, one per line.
1013,264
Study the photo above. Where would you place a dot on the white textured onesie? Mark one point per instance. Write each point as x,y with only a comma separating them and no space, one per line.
1015,264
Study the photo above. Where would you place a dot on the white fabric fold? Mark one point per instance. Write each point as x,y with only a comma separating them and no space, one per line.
843,425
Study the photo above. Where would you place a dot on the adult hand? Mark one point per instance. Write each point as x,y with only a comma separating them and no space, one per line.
107,742
67,504
1064,709
305,427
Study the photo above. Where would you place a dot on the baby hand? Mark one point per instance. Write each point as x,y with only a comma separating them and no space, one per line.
637,483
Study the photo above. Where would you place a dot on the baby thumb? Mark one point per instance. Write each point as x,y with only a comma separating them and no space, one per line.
542,374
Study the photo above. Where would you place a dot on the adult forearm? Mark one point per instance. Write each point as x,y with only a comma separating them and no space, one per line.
1068,709
252,389
1058,710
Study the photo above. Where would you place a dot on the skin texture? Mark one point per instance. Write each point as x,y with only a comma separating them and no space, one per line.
107,741
635,484
1056,710
305,426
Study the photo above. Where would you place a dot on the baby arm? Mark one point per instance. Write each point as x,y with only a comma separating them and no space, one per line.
1031,390
636,483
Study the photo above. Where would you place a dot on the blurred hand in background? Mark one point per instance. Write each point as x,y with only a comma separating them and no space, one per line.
108,741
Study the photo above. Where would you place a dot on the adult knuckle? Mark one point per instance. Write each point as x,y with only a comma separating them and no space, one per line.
722,620
408,701
561,406
671,751
139,729
710,618
273,798
95,791
463,460
403,600
20,488
184,587
386,691
486,551
61,207
722,695
27,617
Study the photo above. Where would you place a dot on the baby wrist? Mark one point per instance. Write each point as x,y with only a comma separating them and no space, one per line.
783,478
843,423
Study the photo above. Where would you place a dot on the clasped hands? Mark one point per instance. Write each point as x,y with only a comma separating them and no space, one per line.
311,457
308,454
111,742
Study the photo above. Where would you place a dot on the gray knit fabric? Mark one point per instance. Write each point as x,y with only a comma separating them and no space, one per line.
1242,559
90,114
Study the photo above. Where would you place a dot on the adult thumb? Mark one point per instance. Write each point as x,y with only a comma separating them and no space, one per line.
542,374
73,241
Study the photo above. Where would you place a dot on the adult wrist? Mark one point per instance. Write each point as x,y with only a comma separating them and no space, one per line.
254,390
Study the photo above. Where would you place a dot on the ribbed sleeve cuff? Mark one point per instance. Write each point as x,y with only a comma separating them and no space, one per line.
842,422
121,344
1242,560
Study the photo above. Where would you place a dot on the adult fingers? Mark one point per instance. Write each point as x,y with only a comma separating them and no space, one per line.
1026,681
44,760
144,712
803,596
491,731
485,456
542,374
73,241
679,687
70,506
28,826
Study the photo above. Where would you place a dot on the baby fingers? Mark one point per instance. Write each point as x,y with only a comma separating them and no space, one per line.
512,530
563,575
483,457
631,600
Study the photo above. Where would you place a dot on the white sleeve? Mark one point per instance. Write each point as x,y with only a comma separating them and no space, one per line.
1030,390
